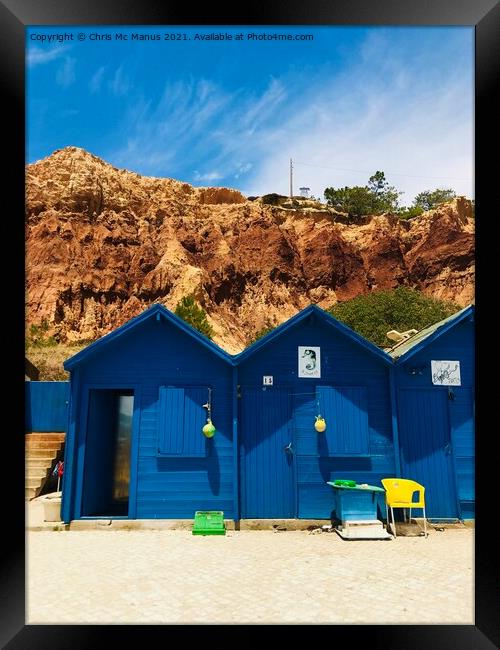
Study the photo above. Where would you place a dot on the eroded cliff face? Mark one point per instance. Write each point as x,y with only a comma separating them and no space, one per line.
103,244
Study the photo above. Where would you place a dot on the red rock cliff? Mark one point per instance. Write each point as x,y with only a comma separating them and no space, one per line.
104,243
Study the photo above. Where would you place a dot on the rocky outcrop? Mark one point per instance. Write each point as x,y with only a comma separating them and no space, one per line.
104,243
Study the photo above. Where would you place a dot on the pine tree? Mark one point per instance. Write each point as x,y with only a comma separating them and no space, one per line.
188,309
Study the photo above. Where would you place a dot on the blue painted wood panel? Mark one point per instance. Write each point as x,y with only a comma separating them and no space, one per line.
344,364
195,417
46,405
461,411
181,421
456,344
355,505
426,452
171,421
159,354
267,469
345,411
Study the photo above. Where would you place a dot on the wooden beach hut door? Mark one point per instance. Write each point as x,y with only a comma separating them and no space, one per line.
267,454
426,451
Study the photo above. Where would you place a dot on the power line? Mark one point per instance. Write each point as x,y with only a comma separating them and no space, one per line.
361,171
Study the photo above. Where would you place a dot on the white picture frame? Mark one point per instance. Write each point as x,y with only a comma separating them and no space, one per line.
445,373
309,360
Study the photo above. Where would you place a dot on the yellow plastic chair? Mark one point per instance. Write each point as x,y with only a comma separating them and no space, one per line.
399,494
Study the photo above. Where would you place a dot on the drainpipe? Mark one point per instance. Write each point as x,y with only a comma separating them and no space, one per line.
236,478
394,420
67,487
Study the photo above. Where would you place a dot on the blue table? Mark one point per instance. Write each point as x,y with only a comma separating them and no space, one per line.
356,508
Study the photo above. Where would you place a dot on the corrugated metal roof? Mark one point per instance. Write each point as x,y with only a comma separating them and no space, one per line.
402,348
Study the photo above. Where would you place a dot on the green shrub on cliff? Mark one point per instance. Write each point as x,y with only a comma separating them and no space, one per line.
188,309
261,333
399,309
37,336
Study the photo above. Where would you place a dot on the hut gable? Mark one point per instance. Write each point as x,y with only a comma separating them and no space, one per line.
435,397
156,313
311,365
313,315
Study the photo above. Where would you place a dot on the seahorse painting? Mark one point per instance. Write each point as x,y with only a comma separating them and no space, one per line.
311,364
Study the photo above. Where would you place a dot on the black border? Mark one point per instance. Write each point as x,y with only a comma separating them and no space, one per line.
14,16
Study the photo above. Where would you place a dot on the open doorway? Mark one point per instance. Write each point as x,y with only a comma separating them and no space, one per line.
106,475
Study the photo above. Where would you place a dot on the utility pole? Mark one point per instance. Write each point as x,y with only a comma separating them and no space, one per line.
291,178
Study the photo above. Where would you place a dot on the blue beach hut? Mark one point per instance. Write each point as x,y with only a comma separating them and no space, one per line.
312,365
435,403
139,399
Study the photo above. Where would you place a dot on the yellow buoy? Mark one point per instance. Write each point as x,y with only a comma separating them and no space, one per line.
320,424
209,429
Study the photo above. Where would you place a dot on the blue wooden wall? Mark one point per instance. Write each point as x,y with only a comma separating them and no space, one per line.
46,406
457,416
173,480
154,354
343,364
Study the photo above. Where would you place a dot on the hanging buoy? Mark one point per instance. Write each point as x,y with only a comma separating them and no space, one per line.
320,424
209,429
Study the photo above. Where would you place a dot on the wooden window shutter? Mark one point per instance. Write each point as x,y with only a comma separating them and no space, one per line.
181,418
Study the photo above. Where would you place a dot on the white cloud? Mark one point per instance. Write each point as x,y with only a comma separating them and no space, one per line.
120,84
379,116
209,177
384,111
66,74
179,126
95,82
243,168
37,55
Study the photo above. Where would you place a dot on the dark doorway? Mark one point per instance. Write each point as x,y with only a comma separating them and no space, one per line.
107,453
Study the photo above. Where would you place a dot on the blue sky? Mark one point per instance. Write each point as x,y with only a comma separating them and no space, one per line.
232,113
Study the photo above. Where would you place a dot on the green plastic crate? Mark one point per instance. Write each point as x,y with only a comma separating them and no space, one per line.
209,522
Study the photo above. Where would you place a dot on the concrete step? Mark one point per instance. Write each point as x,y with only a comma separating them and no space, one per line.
32,483
36,472
38,462
31,454
29,493
363,529
47,437
42,444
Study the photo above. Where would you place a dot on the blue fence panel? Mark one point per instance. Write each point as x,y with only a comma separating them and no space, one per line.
46,405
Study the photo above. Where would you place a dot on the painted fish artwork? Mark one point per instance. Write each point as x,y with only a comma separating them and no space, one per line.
445,373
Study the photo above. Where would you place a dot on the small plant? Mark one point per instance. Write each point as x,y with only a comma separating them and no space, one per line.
261,333
37,336
188,309
429,200
410,213
273,199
